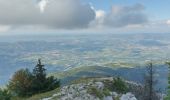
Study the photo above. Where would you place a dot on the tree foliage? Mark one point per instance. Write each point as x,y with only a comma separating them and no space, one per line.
42,83
168,92
21,83
149,83
39,81
26,83
5,94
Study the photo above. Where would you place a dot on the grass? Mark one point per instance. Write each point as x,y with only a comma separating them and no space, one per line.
72,72
121,64
106,92
39,96
120,85
94,91
82,80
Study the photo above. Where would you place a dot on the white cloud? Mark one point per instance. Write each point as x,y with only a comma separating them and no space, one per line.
42,5
63,15
57,14
121,16
100,14
4,28
168,22
98,22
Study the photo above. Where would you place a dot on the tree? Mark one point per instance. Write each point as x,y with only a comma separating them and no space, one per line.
5,94
168,92
21,83
150,82
39,77
42,83
52,83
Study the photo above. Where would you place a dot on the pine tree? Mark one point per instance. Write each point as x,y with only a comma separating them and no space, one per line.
150,82
42,83
39,77
168,93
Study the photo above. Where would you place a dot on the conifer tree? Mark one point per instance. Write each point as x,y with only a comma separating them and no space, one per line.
168,92
150,82
42,83
39,76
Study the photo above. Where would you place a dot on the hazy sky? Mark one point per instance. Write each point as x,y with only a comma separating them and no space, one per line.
84,16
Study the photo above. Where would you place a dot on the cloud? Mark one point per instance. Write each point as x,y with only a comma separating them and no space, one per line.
122,16
42,5
168,22
4,28
57,14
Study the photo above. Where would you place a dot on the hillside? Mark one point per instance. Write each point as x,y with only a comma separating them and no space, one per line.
93,89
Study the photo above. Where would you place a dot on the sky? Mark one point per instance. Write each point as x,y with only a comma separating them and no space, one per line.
84,16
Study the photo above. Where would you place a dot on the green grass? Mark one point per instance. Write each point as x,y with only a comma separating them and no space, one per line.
82,80
72,72
39,96
106,92
94,91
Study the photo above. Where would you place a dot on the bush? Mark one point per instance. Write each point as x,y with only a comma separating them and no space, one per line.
94,91
52,83
106,92
21,83
119,85
5,94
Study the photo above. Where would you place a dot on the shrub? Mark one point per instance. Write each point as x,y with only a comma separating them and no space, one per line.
21,83
5,94
119,85
106,92
52,83
96,92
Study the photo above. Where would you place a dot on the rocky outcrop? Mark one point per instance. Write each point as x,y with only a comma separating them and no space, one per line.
92,90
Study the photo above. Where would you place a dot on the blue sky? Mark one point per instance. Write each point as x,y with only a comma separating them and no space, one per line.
84,16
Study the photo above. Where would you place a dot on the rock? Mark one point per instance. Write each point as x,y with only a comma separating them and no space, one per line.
114,94
47,98
128,96
99,85
108,98
80,92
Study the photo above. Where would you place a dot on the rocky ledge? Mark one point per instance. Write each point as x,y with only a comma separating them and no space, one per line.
93,89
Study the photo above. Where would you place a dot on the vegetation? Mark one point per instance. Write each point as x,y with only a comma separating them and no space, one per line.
21,83
96,92
5,94
168,92
106,92
25,83
40,82
150,82
119,85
